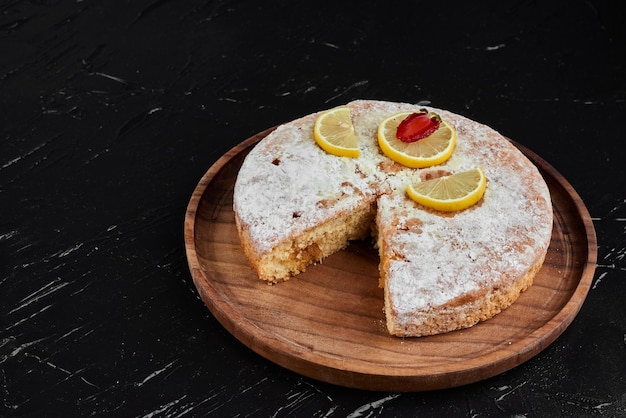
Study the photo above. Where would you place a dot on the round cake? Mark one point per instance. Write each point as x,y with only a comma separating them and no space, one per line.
295,204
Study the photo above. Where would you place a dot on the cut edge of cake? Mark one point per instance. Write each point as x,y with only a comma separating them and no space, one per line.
293,255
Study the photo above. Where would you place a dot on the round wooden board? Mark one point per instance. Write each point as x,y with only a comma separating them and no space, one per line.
328,323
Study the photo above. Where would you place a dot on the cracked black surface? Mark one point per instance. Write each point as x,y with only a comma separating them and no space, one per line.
111,111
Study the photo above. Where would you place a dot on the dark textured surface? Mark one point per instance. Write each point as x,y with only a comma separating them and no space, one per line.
111,111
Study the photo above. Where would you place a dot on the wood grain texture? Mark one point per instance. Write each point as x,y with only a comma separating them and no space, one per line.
328,323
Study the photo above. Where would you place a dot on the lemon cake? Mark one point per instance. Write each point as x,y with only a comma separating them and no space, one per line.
296,203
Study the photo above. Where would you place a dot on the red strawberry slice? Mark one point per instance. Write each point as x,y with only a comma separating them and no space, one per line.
417,126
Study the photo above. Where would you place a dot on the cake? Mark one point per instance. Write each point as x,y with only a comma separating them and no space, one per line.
296,204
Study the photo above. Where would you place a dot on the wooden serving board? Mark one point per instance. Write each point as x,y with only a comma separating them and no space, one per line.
328,323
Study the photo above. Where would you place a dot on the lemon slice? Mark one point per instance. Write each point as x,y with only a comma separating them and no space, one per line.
431,150
334,133
450,193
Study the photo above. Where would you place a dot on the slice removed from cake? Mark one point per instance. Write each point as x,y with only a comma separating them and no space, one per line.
295,204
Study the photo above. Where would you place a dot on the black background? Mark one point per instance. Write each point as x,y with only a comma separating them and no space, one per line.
111,111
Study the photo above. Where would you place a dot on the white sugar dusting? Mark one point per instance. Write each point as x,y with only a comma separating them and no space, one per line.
288,184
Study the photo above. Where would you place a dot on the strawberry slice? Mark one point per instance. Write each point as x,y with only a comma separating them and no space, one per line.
418,126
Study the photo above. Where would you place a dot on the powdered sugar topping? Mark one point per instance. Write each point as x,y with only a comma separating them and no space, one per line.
288,184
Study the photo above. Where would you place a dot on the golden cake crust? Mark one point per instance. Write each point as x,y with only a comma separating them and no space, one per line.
295,204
